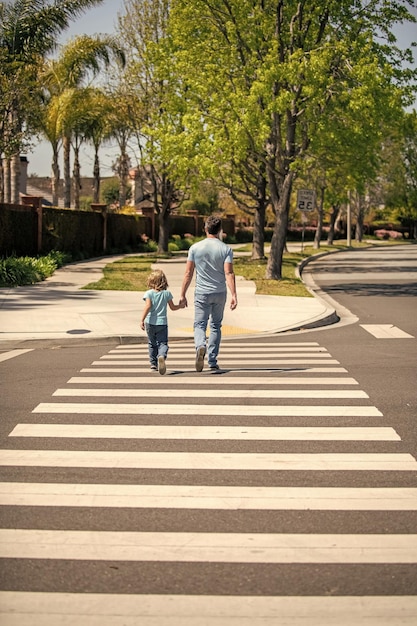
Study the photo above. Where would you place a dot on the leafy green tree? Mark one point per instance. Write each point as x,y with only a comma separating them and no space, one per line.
204,199
110,191
260,77
142,29
409,213
399,186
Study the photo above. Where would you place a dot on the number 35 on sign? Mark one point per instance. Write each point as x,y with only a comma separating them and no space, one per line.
306,199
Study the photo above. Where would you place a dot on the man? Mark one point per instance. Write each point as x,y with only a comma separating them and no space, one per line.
213,262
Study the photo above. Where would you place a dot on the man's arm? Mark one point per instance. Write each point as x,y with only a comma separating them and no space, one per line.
188,276
231,283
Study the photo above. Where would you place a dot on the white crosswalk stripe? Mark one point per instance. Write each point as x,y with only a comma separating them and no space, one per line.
185,381
105,408
141,370
209,460
238,433
210,497
94,609
207,547
207,393
276,408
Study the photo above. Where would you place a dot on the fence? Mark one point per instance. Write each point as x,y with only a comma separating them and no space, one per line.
29,229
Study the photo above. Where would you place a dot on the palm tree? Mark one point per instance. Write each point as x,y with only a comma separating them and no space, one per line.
29,30
125,110
51,129
81,57
97,130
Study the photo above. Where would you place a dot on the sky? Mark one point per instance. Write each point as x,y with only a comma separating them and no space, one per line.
103,20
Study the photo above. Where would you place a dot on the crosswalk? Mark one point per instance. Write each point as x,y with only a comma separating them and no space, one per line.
246,496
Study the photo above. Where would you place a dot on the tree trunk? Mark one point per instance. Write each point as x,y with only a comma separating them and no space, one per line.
280,195
359,221
15,179
1,181
163,232
319,229
123,172
96,175
55,176
167,196
67,172
76,180
7,181
258,244
333,217
340,225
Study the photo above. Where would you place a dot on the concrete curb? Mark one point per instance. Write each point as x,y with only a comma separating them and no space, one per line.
338,314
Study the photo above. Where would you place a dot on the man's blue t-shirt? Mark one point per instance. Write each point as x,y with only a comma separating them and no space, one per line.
209,257
159,300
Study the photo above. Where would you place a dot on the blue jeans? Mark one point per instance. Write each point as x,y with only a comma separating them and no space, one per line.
157,341
209,306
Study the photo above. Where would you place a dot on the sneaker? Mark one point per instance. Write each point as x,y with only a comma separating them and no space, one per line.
199,359
214,367
162,368
153,367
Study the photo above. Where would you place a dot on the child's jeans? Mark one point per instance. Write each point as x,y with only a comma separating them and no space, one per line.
157,341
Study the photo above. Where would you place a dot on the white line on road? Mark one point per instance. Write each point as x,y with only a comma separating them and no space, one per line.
207,409
288,370
243,350
208,393
207,380
240,433
178,358
208,461
386,331
227,344
90,609
209,497
207,547
12,354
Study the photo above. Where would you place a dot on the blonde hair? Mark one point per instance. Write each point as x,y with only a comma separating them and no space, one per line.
157,280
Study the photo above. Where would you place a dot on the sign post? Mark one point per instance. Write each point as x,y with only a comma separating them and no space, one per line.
306,201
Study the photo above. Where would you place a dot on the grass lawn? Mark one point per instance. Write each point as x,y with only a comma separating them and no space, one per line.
130,273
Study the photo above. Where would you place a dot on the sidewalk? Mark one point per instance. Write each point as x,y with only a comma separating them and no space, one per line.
59,309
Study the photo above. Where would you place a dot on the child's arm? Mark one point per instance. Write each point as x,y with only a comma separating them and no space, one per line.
175,307
146,309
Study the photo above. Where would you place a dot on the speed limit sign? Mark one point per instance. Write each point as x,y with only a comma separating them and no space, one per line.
306,199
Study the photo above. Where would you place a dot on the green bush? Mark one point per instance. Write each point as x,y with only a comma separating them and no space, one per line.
15,271
180,243
150,246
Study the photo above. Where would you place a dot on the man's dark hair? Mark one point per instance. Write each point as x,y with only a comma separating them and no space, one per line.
213,225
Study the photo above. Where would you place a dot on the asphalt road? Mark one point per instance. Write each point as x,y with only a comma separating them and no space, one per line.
373,290
281,488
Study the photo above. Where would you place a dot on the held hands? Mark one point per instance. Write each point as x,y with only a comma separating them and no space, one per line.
183,303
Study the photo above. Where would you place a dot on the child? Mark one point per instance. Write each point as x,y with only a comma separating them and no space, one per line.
155,320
